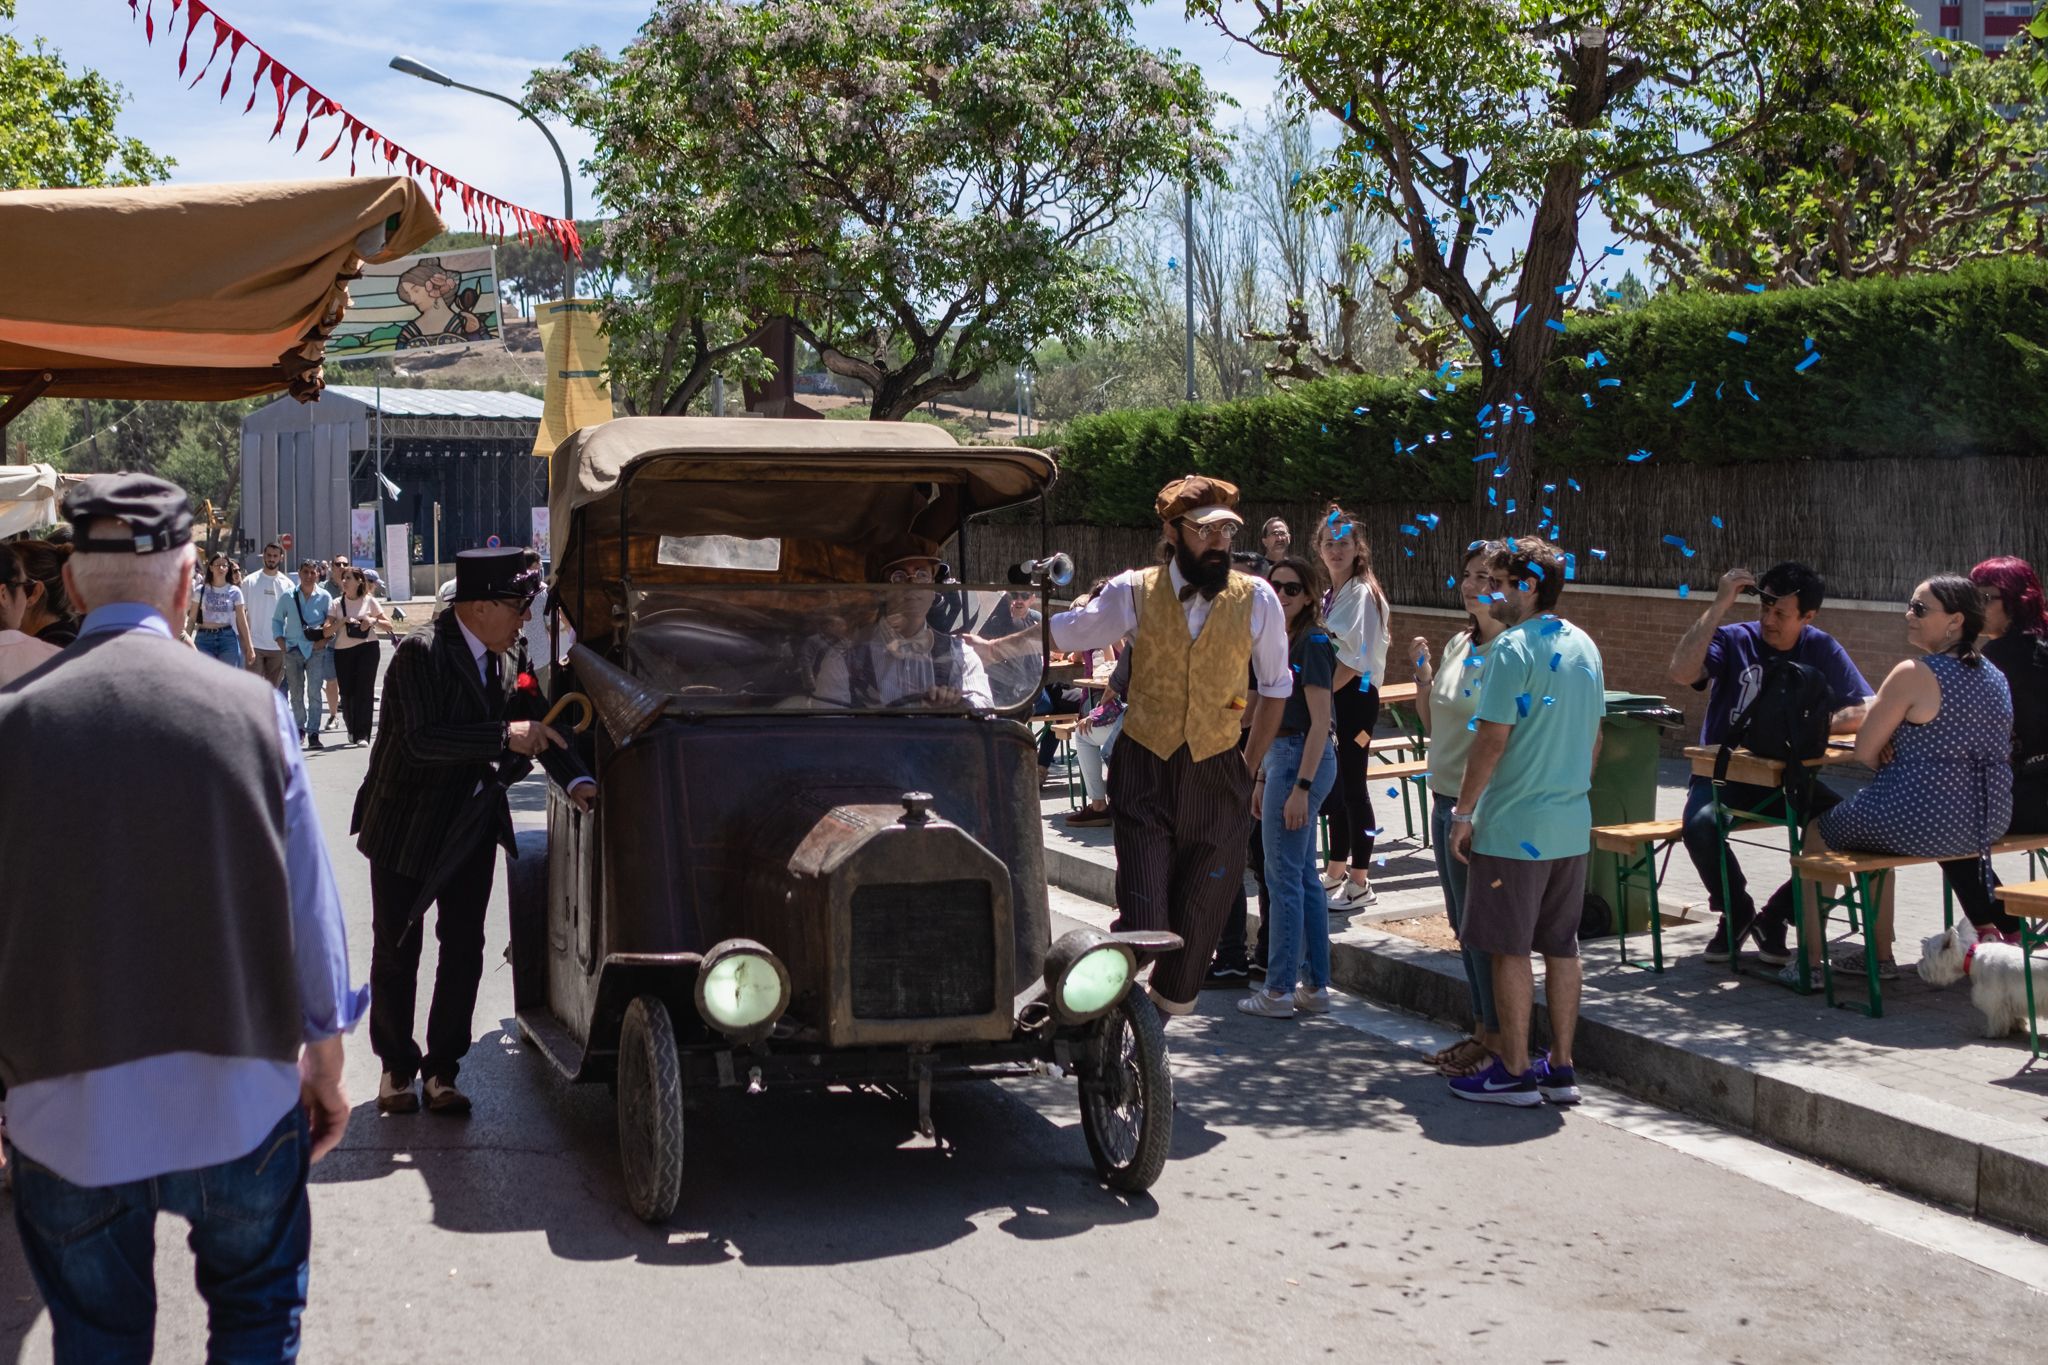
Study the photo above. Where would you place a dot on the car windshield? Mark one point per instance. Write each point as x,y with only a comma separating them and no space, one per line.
909,647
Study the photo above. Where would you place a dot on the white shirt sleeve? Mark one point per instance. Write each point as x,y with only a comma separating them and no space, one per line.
1375,642
974,685
1347,623
1109,616
1269,642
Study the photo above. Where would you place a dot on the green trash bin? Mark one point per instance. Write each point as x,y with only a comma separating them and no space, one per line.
1624,792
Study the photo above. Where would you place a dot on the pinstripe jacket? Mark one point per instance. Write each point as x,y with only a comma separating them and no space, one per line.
438,736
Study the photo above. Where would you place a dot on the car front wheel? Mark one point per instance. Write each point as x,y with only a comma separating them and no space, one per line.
650,1093
1127,1095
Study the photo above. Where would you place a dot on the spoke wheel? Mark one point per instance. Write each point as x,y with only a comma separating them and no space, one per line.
650,1095
1127,1095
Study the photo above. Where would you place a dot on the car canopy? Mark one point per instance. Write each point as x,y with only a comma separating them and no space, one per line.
190,292
859,486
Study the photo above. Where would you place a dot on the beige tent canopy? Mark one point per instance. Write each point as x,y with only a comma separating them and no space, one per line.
192,292
28,497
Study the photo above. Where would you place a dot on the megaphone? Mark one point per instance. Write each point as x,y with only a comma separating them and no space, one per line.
1057,570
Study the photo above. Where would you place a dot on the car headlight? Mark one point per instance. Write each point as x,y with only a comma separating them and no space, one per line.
1087,973
742,988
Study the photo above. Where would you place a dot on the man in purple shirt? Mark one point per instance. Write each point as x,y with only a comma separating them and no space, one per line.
1730,660
172,992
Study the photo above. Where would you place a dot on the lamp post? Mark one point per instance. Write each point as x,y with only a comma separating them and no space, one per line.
427,73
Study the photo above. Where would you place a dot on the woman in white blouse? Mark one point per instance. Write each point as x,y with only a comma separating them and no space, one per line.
1356,614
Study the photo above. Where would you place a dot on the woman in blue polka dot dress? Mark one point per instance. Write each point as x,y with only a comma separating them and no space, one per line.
1940,737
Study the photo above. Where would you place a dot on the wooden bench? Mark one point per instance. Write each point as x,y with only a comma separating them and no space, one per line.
1635,847
2029,901
1861,878
1412,774
1406,746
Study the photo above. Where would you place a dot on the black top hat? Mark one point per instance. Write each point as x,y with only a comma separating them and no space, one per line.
495,576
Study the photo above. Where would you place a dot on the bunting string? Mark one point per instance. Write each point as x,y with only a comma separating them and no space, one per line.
276,83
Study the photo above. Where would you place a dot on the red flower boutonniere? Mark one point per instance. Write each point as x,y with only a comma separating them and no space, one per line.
525,685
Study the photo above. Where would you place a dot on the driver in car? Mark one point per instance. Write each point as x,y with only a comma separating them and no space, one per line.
901,661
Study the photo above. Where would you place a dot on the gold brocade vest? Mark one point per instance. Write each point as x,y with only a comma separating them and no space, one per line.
1188,690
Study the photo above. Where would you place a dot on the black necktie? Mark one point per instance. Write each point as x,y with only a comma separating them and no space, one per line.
494,677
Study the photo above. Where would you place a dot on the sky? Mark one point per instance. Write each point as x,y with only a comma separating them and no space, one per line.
490,43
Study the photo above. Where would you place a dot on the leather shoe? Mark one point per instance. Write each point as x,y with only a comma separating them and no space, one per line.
395,1096
443,1098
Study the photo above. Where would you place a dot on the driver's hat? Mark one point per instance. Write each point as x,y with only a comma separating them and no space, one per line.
908,551
1198,500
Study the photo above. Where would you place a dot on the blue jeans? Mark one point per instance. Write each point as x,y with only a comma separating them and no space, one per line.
1451,875
302,681
225,645
1299,907
90,1250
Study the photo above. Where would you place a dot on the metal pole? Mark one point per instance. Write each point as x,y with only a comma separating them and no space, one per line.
717,394
1188,261
568,185
377,551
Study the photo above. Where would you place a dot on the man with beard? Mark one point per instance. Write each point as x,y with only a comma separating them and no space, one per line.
1180,788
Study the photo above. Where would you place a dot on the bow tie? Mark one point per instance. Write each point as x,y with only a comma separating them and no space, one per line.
1208,592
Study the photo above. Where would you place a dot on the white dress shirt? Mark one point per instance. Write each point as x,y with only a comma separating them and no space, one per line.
1359,629
1113,613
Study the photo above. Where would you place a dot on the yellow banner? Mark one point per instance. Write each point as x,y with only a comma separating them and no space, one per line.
573,340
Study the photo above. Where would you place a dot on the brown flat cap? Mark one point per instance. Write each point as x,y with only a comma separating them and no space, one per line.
1199,499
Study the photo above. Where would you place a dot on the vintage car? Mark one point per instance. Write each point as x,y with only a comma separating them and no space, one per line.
815,857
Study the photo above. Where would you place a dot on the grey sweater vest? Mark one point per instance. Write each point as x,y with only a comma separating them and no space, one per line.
144,907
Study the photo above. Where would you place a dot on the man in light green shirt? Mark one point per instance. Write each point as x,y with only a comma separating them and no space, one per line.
1523,820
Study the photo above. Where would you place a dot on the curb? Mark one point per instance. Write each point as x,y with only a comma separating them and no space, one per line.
1984,1166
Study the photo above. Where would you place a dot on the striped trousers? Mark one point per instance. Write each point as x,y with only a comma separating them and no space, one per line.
1180,829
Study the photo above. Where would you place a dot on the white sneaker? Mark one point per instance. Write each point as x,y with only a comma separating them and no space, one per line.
1332,881
1266,1005
1312,1000
1353,895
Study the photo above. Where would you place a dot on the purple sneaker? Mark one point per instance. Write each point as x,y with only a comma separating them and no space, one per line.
1557,1084
1498,1085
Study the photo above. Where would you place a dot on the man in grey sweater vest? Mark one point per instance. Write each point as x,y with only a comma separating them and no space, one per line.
172,992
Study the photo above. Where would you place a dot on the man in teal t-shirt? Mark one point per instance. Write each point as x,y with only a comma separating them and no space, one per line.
1524,820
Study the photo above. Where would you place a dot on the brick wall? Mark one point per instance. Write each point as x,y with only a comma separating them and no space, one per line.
1636,631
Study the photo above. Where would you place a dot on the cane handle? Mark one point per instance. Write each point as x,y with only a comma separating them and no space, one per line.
576,699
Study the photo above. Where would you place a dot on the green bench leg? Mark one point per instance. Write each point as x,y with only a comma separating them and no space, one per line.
1626,870
1859,901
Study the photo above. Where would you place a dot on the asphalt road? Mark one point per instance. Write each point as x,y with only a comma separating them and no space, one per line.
1327,1200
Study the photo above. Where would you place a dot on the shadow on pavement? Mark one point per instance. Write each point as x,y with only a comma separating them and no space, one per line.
789,1178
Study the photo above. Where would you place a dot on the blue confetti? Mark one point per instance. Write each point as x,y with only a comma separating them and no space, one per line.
1358,412
1427,394
1393,791
1741,338
1550,701
1468,319
1530,849
1524,313
1809,343
1751,392
1639,457
1684,591
1573,484
1511,507
1754,288
1522,704
1496,356
1555,660
1717,523
1492,496
1685,397
1483,411
1812,359
1451,582
1598,554
1408,530
1610,383
1476,660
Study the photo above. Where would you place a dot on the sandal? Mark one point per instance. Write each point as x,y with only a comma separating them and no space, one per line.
1468,1057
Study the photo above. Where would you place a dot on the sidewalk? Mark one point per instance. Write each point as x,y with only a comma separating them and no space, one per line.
1918,1099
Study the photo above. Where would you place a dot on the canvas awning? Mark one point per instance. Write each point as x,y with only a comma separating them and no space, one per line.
193,292
28,497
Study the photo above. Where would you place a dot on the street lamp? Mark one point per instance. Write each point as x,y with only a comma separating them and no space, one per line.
427,73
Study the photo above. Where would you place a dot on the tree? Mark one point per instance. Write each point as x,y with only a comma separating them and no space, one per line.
1935,164
57,128
1487,132
917,183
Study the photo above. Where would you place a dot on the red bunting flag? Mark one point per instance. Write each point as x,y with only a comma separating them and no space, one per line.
290,89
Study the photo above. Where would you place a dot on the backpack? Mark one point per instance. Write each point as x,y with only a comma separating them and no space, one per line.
1786,721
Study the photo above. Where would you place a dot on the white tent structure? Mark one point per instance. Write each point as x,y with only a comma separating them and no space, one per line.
28,497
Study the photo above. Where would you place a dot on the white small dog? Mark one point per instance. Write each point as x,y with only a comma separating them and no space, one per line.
1997,988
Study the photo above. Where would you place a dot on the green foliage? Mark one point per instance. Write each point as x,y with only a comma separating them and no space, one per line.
57,127
920,184
1920,367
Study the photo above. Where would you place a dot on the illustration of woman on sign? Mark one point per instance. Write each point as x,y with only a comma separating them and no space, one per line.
446,316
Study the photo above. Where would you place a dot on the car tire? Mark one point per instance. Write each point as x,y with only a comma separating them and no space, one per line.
526,895
1127,1095
650,1092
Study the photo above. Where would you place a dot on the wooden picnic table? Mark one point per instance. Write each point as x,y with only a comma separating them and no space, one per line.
1398,694
1746,767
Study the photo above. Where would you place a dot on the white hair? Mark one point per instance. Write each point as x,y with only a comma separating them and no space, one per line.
155,580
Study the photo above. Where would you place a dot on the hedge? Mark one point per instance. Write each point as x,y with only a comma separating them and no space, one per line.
1934,367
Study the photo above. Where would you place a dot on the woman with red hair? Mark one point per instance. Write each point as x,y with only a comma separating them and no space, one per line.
2016,640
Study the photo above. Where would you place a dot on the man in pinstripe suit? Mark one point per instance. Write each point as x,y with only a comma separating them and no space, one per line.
1180,789
448,746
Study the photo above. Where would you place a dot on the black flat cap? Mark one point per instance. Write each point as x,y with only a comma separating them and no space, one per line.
158,514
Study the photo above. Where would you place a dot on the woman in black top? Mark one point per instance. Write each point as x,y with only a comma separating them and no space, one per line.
1299,771
50,617
2016,640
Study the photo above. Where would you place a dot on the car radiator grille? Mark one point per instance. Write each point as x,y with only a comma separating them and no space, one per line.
923,950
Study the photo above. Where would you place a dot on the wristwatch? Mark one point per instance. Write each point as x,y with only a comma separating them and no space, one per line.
1302,784
1460,818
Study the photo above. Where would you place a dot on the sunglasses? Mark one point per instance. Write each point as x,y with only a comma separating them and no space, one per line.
1289,587
1917,608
